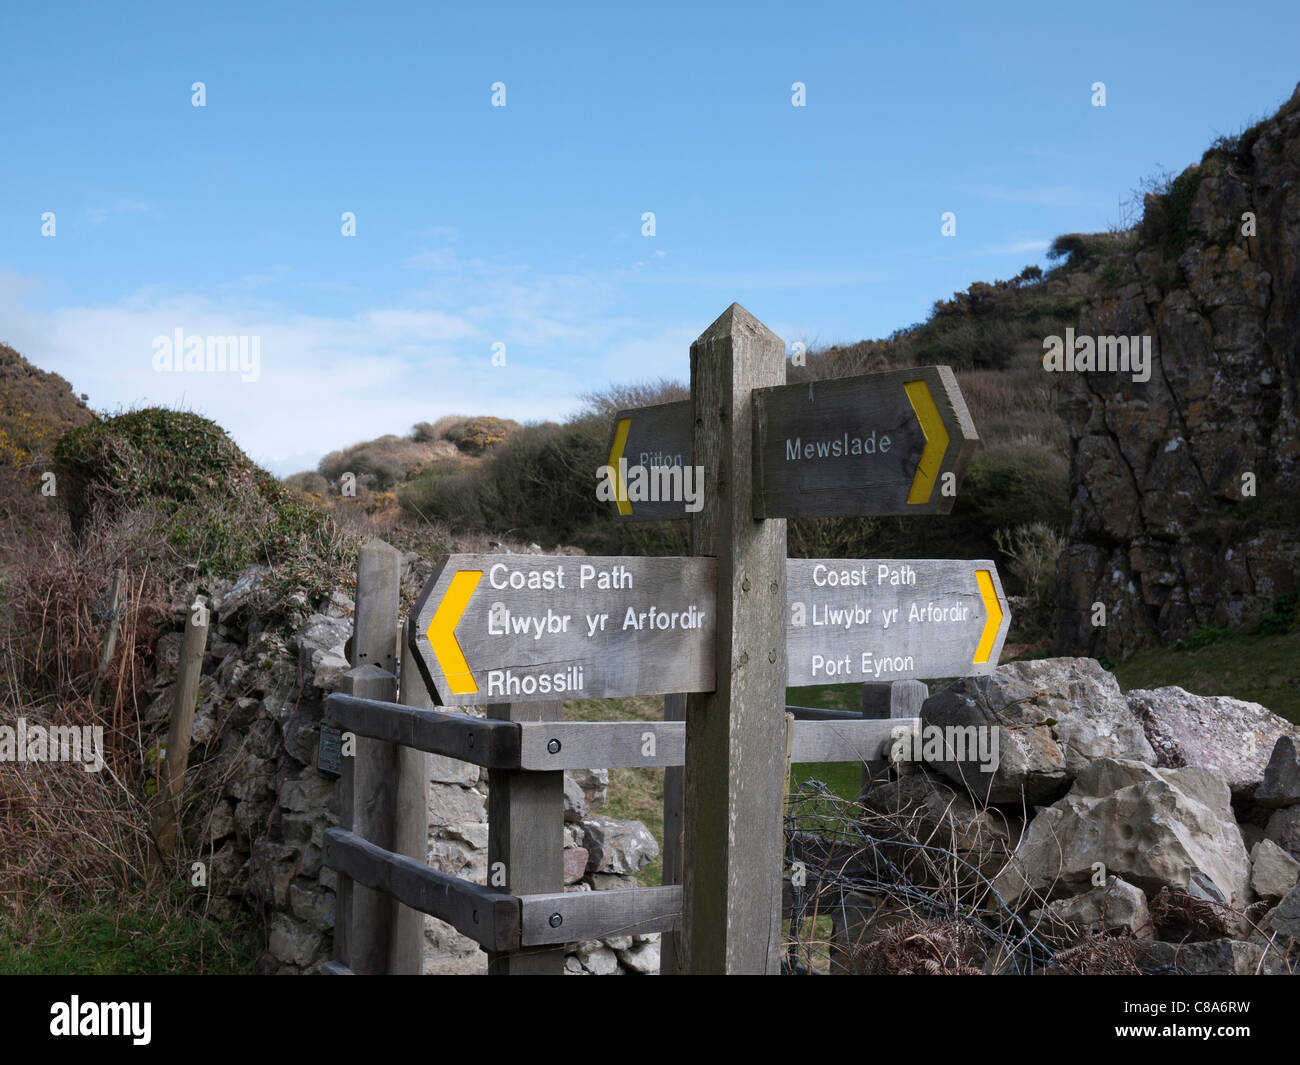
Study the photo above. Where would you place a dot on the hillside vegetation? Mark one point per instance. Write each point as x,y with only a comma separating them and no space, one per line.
537,482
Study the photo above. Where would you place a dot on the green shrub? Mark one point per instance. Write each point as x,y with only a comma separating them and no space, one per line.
214,506
1283,616
475,435
1202,638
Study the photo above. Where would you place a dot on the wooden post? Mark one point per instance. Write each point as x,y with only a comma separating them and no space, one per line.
110,640
526,834
897,698
412,827
889,699
376,763
670,946
735,736
171,787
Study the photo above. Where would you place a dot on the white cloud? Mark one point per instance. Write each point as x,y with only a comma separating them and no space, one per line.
324,382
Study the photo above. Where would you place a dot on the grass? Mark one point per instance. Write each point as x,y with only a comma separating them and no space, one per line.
634,794
102,940
1260,669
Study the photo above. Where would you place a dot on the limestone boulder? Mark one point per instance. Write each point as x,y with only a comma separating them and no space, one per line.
1053,716
1273,872
1230,737
1115,904
938,815
1281,786
1151,827
622,847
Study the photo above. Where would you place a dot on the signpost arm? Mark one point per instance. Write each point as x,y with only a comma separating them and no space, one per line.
735,735
526,833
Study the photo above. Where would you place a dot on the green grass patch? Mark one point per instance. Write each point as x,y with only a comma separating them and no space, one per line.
1261,669
104,940
634,794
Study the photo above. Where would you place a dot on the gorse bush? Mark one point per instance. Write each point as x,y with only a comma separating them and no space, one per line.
212,505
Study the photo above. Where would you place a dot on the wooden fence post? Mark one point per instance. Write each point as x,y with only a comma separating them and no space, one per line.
735,736
171,785
526,833
411,835
670,946
110,639
895,698
376,764
889,699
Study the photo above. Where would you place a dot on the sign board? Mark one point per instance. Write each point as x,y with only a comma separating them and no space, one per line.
328,750
650,456
883,443
521,628
849,621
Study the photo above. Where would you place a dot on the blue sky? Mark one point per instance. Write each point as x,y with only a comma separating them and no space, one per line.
522,225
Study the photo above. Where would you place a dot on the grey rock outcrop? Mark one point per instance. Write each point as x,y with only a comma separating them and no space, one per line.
1053,715
1273,872
1162,533
1151,827
1230,737
1281,786
1115,904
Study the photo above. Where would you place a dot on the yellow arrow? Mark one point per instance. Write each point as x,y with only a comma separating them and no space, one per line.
993,622
616,453
936,441
442,632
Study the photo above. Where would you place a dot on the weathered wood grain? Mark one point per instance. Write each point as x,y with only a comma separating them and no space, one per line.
369,783
797,427
492,744
839,634
548,641
899,698
487,916
598,914
734,736
602,744
411,819
526,835
180,729
859,740
670,946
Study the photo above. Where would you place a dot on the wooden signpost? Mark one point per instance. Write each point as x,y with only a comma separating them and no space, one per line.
890,443
650,452
525,628
723,632
884,443
854,621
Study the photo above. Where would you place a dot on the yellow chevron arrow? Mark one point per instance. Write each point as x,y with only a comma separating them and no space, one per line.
616,453
936,441
442,632
993,621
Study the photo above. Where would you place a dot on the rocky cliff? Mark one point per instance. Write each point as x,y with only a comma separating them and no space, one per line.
1184,487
